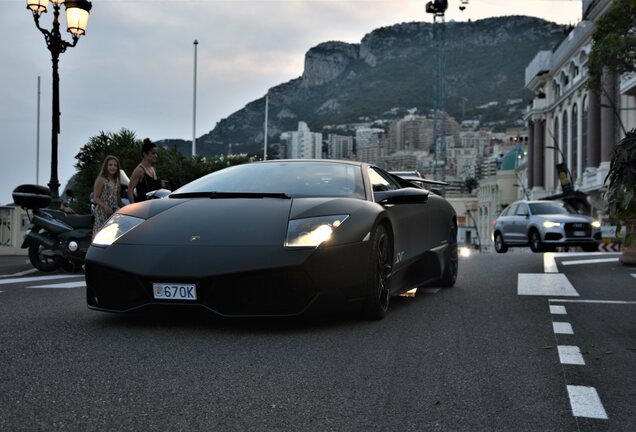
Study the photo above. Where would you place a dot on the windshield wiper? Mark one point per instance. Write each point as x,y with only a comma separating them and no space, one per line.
224,195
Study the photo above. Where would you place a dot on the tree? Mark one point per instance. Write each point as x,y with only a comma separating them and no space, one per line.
122,144
171,165
470,184
614,47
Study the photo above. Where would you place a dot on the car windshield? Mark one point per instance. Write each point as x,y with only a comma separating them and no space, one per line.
292,178
549,208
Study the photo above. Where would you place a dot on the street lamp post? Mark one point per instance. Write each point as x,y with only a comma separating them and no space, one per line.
77,12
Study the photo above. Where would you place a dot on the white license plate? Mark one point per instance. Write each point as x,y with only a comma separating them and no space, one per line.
579,233
174,291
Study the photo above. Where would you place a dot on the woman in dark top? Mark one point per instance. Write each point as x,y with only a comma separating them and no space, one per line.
144,178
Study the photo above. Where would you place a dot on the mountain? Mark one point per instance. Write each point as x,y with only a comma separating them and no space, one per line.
391,71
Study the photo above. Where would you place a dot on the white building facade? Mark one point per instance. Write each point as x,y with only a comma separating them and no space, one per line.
303,143
569,123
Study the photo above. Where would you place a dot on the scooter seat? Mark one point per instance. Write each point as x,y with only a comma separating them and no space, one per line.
79,221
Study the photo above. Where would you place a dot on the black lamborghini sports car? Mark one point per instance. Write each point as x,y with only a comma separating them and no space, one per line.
276,238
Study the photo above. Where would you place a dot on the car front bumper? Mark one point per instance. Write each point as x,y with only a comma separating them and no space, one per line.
233,282
562,236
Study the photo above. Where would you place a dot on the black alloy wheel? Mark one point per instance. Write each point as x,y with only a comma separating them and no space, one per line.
535,241
451,259
500,245
378,284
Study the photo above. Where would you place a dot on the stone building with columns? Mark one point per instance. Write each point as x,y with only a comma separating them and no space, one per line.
567,122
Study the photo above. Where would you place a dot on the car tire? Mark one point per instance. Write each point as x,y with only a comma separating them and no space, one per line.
534,239
378,283
42,262
500,245
451,260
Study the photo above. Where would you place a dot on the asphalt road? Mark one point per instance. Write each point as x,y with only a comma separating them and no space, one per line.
476,357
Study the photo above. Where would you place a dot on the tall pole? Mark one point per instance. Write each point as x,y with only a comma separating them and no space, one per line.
194,104
37,140
265,139
54,47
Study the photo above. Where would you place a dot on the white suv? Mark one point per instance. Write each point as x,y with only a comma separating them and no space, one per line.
543,225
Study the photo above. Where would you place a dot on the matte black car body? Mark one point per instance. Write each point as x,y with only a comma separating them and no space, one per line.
232,246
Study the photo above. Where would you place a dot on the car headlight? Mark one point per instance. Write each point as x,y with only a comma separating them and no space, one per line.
311,232
596,224
550,224
117,226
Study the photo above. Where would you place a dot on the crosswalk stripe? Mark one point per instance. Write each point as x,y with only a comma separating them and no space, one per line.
545,284
589,261
585,402
569,354
22,273
558,310
37,278
621,302
562,328
62,285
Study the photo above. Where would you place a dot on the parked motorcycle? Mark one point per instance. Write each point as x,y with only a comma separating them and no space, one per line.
56,238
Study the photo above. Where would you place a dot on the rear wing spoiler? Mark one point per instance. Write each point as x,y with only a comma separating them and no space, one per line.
424,180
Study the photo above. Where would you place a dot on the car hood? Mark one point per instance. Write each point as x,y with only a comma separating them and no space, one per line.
215,222
227,222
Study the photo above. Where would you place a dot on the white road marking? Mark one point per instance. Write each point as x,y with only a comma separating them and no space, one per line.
549,263
589,261
621,302
585,402
562,328
37,278
22,273
62,285
634,275
569,354
558,310
545,284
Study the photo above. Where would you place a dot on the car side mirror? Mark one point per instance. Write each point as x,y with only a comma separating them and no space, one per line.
402,196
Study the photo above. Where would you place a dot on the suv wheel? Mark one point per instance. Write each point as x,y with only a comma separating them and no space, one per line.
500,246
534,238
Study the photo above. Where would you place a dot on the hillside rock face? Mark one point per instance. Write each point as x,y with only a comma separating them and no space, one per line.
327,61
391,70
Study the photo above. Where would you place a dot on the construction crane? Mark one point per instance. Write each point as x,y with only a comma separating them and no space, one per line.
438,8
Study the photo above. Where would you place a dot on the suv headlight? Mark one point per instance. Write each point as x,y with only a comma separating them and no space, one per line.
596,224
117,226
550,224
311,232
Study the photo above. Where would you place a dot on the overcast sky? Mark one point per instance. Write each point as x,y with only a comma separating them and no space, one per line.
134,68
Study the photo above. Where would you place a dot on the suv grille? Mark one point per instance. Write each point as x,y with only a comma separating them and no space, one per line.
578,229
